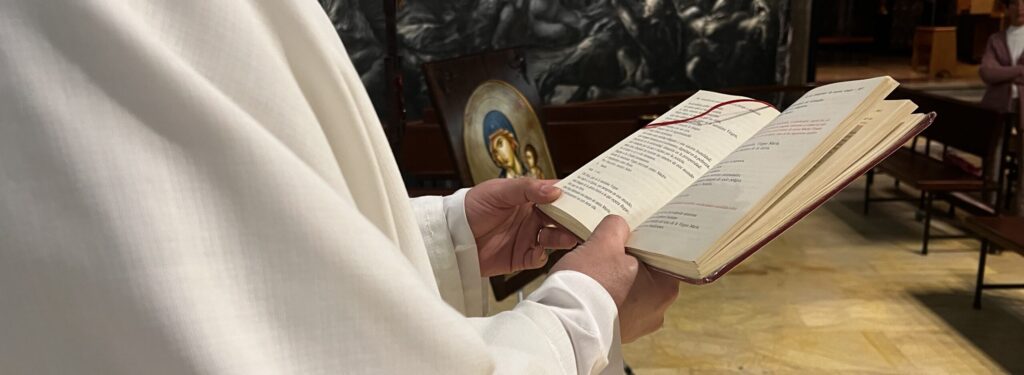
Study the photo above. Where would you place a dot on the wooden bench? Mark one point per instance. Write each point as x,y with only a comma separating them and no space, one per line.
1001,231
967,127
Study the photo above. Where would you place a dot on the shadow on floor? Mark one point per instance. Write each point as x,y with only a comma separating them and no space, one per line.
997,330
894,221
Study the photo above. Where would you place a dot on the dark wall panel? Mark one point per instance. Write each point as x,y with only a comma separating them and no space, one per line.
578,49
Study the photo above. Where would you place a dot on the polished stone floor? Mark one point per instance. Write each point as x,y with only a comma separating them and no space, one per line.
846,293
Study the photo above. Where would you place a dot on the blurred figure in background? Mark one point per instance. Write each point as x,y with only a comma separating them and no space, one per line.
1003,74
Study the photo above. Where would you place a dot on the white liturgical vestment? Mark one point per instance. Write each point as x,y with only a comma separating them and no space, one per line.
202,186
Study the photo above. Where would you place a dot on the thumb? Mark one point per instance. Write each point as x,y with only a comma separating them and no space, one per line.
519,191
541,191
613,230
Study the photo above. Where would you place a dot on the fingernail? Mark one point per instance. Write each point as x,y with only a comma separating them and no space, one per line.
548,189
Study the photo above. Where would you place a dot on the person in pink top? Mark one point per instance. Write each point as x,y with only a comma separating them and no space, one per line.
1003,73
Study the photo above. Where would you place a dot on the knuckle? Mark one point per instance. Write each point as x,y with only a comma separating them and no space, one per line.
533,183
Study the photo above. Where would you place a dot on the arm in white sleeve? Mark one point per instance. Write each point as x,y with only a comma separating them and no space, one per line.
589,316
452,251
585,310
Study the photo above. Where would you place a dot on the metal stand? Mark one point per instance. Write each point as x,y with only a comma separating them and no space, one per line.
980,285
928,200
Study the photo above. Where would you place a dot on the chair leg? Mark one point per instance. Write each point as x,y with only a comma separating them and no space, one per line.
981,275
867,189
919,214
928,197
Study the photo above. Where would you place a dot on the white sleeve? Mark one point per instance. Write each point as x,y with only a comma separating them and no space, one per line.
577,316
452,251
590,318
586,311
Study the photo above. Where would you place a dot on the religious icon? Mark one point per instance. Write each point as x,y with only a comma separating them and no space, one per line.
530,156
502,135
503,145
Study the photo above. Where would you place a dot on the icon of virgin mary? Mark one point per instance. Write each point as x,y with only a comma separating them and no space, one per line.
502,135
503,145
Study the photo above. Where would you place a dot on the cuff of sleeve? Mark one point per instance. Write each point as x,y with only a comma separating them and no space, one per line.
468,260
456,268
589,316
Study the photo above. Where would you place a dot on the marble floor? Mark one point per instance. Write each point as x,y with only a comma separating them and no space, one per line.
842,292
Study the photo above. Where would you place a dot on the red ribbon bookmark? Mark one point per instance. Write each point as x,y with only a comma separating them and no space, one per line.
716,106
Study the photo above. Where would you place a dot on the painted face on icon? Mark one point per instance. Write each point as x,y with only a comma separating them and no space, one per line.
502,144
530,156
503,149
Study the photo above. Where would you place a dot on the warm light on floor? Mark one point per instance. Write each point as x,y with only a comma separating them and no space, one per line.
844,292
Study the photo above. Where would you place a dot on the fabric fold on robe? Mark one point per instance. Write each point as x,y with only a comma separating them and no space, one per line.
203,187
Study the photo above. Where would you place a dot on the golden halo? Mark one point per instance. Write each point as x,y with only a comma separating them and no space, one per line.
502,97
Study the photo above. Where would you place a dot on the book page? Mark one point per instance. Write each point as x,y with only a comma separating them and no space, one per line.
691,223
641,173
850,159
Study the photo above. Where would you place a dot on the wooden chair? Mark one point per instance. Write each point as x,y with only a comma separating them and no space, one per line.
967,127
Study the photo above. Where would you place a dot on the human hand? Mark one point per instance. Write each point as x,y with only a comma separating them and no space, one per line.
650,297
642,296
511,235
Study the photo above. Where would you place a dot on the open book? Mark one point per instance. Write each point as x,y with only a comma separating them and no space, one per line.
717,177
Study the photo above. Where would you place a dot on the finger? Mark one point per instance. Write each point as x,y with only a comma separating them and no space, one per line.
518,191
660,277
613,230
555,238
665,287
547,221
531,258
538,258
541,191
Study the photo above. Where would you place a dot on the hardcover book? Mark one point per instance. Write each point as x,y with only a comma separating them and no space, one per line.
719,176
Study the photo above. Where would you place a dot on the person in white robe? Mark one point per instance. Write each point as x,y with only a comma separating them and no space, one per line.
202,186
